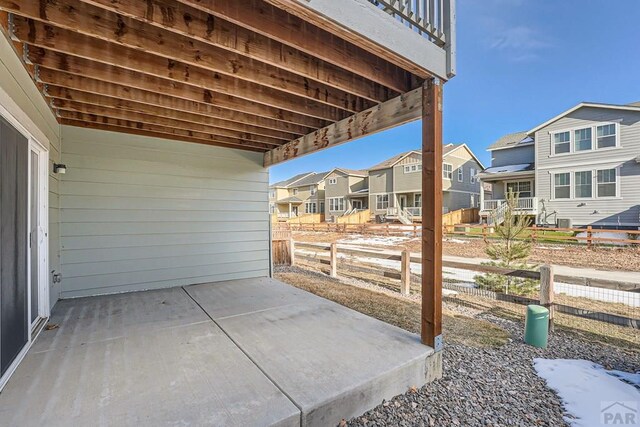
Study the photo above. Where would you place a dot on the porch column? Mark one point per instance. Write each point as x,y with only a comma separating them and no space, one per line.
431,324
481,195
289,209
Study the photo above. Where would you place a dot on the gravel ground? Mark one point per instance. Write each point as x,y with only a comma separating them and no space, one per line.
493,387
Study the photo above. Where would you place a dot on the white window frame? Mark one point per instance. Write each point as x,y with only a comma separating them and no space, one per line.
380,202
412,168
594,183
594,139
310,207
313,190
295,191
530,181
336,204
472,175
553,186
417,200
460,174
447,174
332,181
272,194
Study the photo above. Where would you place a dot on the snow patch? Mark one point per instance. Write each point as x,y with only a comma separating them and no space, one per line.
589,392
604,235
374,241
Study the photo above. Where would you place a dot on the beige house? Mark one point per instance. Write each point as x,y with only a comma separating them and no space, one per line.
395,184
299,195
346,191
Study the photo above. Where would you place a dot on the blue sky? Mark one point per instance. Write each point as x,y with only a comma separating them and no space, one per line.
520,62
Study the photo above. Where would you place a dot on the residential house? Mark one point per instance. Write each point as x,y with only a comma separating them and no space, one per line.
346,190
395,184
301,194
582,167
134,153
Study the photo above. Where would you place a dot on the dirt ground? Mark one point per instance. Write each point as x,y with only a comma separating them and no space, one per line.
605,258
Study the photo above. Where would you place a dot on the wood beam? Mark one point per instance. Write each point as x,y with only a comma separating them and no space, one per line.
431,323
278,24
81,100
130,96
397,111
67,42
128,81
240,73
169,133
70,108
207,28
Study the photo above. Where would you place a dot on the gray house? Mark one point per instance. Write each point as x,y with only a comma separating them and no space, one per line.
346,190
136,138
395,184
579,168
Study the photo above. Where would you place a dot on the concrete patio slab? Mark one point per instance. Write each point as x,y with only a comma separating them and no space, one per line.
161,371
246,353
331,361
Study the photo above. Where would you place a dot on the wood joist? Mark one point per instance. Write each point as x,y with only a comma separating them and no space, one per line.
241,74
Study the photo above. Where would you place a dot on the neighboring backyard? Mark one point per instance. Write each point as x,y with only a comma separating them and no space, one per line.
489,375
575,255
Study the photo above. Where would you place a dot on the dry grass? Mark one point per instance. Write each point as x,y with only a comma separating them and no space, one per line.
397,311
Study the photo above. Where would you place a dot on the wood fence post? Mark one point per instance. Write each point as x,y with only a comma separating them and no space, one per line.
589,237
334,259
534,233
405,272
387,229
292,251
415,230
547,292
484,232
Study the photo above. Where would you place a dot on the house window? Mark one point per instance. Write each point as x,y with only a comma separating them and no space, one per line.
607,183
272,194
382,201
606,135
562,185
460,174
520,188
583,186
447,171
417,200
310,207
313,190
333,181
562,142
336,204
472,175
272,208
582,139
295,191
412,168
321,207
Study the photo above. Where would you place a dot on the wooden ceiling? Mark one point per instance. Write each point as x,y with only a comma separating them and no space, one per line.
237,73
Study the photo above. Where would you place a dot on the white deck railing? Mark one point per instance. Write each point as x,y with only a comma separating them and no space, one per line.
427,17
524,204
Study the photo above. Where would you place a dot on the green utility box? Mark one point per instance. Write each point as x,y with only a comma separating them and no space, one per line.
536,326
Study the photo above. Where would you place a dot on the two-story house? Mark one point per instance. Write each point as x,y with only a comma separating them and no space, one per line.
285,199
345,190
579,168
395,184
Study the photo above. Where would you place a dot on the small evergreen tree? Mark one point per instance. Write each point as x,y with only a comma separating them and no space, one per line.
510,250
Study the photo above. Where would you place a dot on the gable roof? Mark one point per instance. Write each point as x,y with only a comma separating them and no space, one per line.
293,179
511,140
455,147
352,172
312,179
629,107
446,150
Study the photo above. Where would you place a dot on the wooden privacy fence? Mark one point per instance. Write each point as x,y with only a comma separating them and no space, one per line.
327,254
282,246
461,216
360,217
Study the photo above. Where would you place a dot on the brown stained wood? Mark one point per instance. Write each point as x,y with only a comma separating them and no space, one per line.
230,70
277,24
126,126
138,100
431,322
87,109
208,83
189,21
126,81
83,102
397,111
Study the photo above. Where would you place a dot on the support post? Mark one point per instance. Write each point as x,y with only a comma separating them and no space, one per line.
589,237
431,324
405,272
333,255
547,292
292,251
